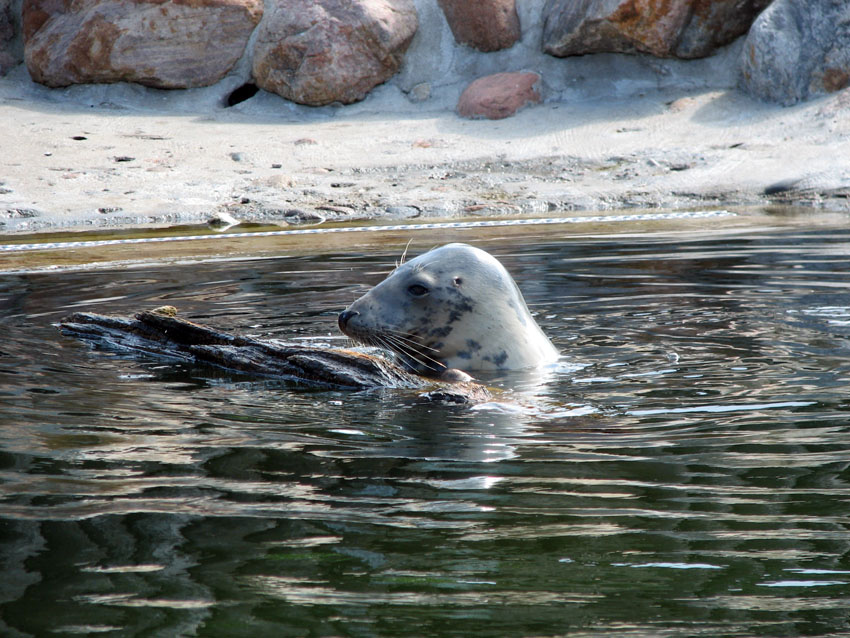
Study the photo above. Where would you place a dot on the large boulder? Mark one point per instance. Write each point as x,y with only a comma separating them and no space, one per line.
169,44
715,23
500,95
486,25
798,49
317,52
10,54
672,28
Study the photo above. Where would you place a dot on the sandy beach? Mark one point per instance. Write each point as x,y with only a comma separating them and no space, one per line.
86,158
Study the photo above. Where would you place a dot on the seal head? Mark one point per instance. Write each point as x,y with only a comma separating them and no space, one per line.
453,307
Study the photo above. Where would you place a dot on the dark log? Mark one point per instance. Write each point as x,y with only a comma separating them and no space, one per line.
161,334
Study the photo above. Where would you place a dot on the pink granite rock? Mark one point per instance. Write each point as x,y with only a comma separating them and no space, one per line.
317,52
486,25
160,43
498,96
716,23
665,28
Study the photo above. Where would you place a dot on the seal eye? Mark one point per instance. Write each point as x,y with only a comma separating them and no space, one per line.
458,281
417,290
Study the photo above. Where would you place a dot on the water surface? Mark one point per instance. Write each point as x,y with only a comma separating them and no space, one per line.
683,472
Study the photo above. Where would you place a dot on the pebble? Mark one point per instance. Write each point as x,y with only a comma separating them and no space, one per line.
300,216
22,212
420,92
222,221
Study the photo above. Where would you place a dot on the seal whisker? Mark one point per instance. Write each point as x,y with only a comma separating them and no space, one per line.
411,352
409,338
400,262
378,341
407,358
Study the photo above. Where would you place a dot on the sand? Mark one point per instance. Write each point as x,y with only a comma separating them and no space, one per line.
122,156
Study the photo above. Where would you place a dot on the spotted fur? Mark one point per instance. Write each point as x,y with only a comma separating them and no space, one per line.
453,307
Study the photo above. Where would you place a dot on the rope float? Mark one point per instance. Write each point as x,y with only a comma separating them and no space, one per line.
10,248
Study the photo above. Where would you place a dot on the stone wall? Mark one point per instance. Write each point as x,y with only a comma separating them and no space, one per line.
320,52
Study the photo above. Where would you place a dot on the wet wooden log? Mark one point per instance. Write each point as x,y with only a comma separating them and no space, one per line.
162,334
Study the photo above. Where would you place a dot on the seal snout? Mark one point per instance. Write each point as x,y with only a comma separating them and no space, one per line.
344,317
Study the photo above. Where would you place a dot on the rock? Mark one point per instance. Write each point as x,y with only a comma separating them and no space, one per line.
796,50
10,54
419,92
7,22
714,24
222,221
300,216
486,25
317,52
672,28
25,213
499,96
159,43
402,212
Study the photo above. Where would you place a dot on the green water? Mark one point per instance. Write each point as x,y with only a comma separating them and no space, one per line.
683,472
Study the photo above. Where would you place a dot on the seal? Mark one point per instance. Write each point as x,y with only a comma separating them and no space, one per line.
452,308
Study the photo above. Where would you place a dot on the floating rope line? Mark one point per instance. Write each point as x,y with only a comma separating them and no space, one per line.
494,223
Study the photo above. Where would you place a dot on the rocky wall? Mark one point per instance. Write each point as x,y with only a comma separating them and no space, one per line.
320,52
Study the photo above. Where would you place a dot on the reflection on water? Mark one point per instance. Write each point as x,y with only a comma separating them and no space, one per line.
684,471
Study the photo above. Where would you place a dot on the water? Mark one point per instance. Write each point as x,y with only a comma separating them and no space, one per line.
683,473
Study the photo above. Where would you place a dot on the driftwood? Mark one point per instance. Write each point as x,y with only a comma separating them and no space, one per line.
162,334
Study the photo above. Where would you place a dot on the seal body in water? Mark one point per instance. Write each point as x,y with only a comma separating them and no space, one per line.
452,308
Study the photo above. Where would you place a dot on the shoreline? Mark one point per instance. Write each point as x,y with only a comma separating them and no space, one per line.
98,165
60,251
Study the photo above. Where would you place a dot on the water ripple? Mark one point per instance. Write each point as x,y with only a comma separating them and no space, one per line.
685,469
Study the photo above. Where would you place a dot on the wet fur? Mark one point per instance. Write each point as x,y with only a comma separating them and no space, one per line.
473,316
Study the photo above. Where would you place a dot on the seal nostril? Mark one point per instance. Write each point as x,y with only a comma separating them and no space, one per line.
345,316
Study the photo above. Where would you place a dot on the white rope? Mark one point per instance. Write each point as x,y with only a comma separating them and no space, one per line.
465,225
